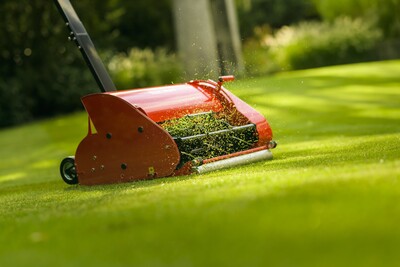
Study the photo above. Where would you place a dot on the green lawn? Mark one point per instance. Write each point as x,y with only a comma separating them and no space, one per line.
329,198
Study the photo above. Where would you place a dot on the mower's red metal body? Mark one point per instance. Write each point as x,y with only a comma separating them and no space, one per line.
126,140
125,143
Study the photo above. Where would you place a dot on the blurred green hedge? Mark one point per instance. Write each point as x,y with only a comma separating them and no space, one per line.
42,74
316,44
383,13
313,44
144,67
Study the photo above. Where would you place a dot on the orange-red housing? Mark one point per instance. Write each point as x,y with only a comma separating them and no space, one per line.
125,143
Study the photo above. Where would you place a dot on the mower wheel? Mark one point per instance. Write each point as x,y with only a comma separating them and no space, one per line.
68,171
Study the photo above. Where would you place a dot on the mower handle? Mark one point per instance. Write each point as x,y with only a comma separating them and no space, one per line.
81,38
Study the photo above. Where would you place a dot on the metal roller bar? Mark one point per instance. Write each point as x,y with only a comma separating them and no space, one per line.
236,161
207,113
233,129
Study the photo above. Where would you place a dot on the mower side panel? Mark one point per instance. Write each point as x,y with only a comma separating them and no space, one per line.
124,146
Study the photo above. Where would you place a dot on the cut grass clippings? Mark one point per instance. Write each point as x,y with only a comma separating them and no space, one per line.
205,135
329,198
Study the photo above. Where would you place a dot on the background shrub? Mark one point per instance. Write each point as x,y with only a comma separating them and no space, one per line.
253,14
144,67
315,44
382,12
14,105
255,53
41,74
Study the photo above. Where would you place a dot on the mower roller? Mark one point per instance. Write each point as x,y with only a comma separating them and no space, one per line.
171,130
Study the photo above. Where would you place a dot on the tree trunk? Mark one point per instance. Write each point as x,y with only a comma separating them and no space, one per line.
228,37
196,39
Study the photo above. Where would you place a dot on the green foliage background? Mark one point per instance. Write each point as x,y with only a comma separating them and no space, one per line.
316,44
274,13
333,32
383,12
42,75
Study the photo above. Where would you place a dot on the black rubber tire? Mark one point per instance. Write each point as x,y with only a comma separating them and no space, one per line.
68,171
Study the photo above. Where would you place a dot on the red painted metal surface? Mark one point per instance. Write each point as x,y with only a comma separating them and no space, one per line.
263,128
173,101
125,142
124,146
